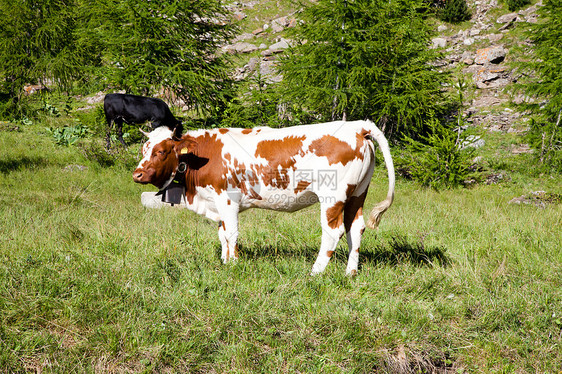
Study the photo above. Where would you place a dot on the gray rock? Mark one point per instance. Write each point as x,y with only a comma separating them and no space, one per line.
495,37
269,72
473,141
244,36
474,32
239,16
507,18
279,24
438,43
240,47
493,55
280,45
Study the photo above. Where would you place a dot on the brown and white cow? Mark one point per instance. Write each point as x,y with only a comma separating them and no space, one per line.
227,171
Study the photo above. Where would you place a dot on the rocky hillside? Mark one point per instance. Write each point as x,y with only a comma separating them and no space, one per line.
480,49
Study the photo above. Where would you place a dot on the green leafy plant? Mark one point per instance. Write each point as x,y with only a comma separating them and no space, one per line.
26,121
51,110
68,135
441,159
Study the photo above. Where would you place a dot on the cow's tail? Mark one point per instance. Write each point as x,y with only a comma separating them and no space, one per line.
377,212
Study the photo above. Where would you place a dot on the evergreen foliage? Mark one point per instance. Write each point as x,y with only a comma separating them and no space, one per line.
144,46
454,11
37,43
440,160
140,47
544,81
514,5
365,59
263,105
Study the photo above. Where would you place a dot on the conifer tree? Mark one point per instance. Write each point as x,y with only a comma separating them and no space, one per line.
454,11
138,46
365,59
544,81
146,45
36,43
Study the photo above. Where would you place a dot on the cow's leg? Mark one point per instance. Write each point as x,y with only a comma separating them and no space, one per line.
108,135
228,235
332,231
354,227
120,131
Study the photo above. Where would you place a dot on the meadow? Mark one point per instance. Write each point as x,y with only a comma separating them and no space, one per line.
456,281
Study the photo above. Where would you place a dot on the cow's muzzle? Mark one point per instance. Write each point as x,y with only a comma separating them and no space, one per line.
141,176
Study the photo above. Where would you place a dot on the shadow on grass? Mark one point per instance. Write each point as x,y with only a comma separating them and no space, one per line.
18,163
402,251
252,251
399,250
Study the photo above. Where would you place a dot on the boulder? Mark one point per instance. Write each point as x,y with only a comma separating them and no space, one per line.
493,55
492,77
493,38
280,45
279,24
507,18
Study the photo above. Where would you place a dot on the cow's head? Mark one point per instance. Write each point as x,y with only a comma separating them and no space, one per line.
161,156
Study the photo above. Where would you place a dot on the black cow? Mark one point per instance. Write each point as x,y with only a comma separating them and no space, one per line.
134,109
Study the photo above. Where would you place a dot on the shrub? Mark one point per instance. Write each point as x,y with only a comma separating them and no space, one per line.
546,137
438,160
455,11
68,135
517,4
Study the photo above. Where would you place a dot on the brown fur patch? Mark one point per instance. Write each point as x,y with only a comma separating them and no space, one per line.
353,209
280,153
223,130
160,166
334,215
213,172
333,149
246,131
336,150
330,254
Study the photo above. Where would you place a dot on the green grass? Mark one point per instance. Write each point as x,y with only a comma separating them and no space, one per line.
90,281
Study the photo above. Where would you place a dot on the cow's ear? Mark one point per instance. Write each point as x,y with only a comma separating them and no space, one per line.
185,145
177,132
